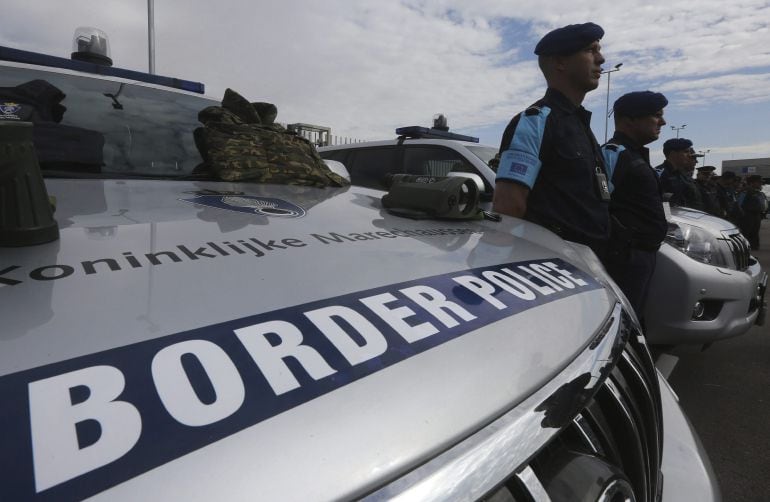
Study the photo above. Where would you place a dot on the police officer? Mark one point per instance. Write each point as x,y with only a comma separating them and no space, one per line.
676,173
638,219
753,205
551,171
706,185
727,196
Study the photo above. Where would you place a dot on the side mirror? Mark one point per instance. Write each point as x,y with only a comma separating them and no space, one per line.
337,167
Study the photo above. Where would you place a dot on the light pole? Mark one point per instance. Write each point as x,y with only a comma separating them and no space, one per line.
704,152
607,107
151,35
677,129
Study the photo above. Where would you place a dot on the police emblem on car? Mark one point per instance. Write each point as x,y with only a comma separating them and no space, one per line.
9,109
265,206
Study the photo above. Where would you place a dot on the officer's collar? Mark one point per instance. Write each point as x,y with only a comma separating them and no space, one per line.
623,139
669,166
559,100
675,169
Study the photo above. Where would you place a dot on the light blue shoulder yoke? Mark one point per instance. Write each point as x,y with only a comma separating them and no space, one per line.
521,161
611,152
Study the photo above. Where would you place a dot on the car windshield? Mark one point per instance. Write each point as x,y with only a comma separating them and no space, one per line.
101,127
485,153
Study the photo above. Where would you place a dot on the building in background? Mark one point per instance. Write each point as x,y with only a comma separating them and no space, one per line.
745,167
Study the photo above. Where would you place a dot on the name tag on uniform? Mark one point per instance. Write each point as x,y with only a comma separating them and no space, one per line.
602,185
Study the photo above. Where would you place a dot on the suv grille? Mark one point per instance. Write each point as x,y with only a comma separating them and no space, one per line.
618,435
740,249
593,433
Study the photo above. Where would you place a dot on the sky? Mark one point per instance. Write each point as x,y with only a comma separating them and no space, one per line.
365,67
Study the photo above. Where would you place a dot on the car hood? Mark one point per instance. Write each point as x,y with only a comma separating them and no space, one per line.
217,340
700,219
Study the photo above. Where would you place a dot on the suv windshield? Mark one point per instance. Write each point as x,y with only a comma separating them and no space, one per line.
101,127
485,153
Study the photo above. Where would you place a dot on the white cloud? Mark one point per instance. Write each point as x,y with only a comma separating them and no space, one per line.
749,151
738,88
368,65
364,67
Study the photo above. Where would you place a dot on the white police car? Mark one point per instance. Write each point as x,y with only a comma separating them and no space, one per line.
191,339
417,151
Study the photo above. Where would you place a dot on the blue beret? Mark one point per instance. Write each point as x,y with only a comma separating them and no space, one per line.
639,104
569,39
676,144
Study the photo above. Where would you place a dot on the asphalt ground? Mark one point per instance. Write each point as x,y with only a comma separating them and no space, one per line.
725,392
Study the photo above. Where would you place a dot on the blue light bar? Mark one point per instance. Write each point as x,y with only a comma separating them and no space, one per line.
425,133
19,56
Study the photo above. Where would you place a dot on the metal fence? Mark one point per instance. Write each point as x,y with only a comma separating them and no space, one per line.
320,135
344,140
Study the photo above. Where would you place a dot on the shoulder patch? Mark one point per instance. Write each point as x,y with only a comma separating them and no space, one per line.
520,162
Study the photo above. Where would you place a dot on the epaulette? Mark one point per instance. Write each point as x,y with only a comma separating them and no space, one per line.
533,110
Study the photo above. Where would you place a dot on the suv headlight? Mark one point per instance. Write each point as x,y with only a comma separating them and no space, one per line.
697,243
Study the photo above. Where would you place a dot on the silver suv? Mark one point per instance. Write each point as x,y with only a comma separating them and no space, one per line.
707,285
191,339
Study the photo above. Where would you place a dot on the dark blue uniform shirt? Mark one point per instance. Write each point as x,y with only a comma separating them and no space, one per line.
550,149
636,197
681,187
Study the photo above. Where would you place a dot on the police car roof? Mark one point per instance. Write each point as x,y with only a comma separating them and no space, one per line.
34,58
390,142
433,133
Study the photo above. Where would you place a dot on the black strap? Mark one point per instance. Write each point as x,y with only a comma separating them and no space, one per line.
595,148
644,246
